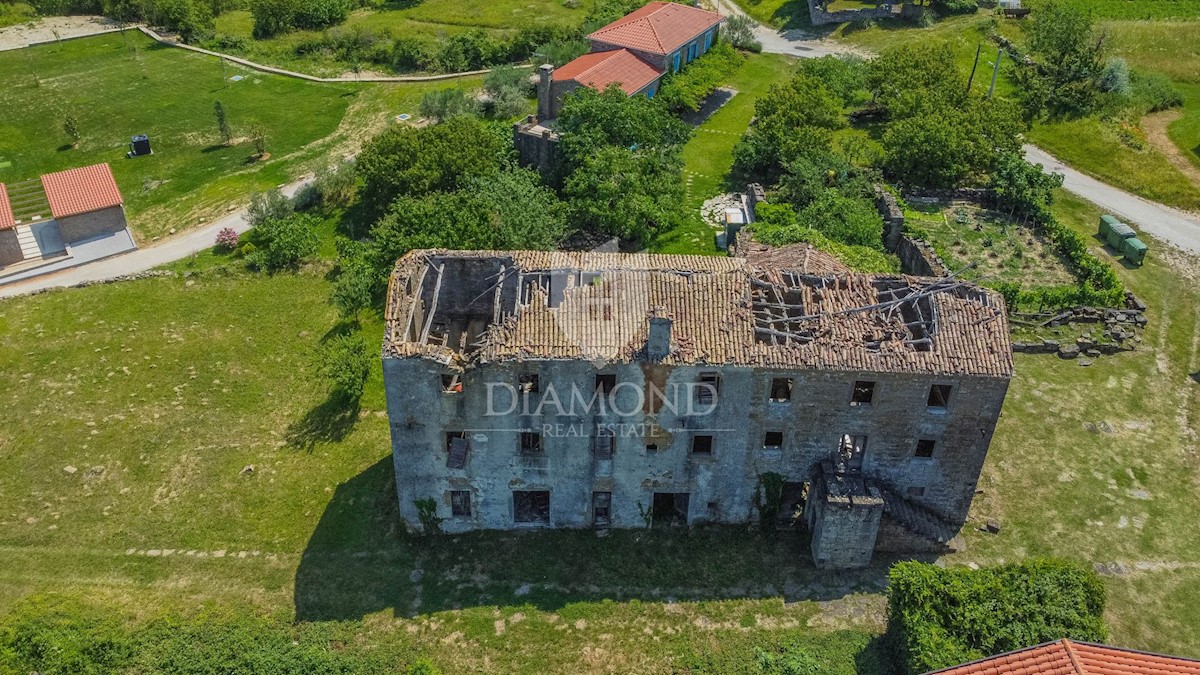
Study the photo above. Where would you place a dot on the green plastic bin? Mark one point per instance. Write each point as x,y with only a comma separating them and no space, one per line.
1134,250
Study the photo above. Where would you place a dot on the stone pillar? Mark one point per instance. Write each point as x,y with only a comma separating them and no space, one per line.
545,92
843,512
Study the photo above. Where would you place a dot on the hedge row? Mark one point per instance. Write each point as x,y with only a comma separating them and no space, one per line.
943,617
687,89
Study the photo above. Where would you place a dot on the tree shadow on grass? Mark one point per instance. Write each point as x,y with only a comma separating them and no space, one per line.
329,422
359,561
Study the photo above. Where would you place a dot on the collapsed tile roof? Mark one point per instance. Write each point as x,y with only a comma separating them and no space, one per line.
82,190
464,308
7,220
598,70
657,28
1067,657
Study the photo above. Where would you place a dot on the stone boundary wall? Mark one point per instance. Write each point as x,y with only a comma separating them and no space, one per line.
820,17
917,257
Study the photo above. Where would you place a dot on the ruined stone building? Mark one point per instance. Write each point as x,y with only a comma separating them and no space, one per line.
551,389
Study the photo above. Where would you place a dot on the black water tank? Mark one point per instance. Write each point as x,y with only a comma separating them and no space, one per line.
140,145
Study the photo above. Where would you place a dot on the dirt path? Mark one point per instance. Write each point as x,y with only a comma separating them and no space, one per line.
1155,125
53,28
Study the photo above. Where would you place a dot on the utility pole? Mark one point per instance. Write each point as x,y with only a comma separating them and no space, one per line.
996,71
971,80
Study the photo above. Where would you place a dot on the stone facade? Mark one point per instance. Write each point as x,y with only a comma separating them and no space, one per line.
91,224
10,248
537,146
820,16
549,440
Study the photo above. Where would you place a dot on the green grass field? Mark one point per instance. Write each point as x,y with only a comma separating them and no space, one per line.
120,85
708,156
778,13
433,18
1135,9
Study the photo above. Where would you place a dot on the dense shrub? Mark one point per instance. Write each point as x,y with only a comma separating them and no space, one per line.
942,617
273,17
779,225
1153,92
269,205
1114,79
687,89
956,6
227,239
345,361
283,243
440,105
331,187
738,30
54,635
507,88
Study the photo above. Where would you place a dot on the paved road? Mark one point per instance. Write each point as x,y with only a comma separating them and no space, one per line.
790,42
1163,222
170,250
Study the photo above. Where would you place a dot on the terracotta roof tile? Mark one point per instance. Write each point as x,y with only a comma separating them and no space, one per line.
81,190
1066,657
598,70
798,257
572,305
657,28
7,221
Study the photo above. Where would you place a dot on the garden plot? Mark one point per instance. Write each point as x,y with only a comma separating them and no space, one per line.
1000,249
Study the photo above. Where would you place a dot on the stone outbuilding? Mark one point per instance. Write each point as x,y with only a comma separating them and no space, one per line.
530,389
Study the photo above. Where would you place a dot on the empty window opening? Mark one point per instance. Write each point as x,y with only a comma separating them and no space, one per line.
916,492
531,442
924,448
850,453
602,445
707,387
864,393
652,447
670,508
773,439
531,506
781,389
939,396
451,384
702,445
460,503
457,448
528,384
605,384
601,509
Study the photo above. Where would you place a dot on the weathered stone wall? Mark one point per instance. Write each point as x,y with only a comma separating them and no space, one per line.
918,257
536,145
844,524
820,17
893,537
94,224
10,248
722,484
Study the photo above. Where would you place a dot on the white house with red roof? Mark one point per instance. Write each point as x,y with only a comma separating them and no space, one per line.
62,219
633,52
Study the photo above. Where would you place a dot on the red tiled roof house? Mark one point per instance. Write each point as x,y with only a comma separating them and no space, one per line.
1068,657
85,202
633,52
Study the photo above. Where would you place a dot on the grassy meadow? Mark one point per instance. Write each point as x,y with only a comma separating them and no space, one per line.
119,85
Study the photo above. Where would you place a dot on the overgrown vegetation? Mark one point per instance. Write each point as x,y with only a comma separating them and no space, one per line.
941,617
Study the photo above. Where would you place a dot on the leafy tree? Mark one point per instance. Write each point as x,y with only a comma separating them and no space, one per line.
628,194
284,243
1022,187
222,123
440,105
912,79
408,161
357,280
346,360
812,174
793,119
929,151
272,17
413,52
508,87
502,210
563,50
590,120
845,76
258,136
738,30
71,128
1115,78
1070,53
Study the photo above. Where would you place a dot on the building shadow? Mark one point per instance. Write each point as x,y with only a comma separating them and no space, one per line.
1195,377
359,561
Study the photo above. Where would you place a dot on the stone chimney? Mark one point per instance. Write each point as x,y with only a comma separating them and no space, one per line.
658,341
545,92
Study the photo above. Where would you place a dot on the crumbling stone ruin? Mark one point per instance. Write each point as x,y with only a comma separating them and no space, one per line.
592,390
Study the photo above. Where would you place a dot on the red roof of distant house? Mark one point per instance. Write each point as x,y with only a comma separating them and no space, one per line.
1067,657
600,69
7,221
82,190
658,28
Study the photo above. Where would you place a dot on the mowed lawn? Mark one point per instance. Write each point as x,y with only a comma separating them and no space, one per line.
124,84
431,18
